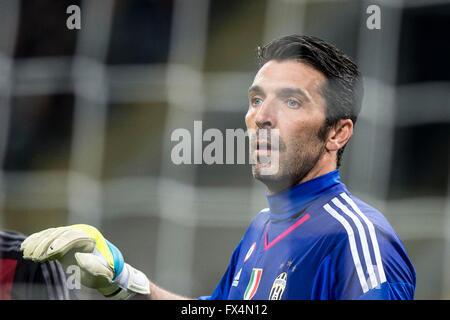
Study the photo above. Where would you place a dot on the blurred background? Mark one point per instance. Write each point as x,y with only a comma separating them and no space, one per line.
86,117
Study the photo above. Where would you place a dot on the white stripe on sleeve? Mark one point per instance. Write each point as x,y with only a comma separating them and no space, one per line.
46,274
373,236
353,248
362,236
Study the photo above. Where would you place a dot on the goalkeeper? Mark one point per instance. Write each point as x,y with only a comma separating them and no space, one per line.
315,240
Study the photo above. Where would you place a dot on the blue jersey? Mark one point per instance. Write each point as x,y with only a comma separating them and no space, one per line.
318,241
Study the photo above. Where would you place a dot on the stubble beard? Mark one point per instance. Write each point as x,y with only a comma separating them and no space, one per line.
294,165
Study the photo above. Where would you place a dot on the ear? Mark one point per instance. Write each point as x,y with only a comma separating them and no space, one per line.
339,135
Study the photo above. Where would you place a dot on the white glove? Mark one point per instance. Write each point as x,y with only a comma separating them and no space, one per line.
101,263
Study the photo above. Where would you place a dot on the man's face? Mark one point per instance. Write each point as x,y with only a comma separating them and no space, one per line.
286,96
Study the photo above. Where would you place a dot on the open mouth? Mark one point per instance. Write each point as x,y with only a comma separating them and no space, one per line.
265,146
260,145
264,152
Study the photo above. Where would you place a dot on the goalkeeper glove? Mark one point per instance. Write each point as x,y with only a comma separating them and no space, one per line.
101,263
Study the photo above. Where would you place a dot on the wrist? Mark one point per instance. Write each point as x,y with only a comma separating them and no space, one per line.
128,283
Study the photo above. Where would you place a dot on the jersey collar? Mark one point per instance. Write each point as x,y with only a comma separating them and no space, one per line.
289,202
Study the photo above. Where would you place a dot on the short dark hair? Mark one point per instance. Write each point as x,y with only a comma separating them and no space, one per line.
343,91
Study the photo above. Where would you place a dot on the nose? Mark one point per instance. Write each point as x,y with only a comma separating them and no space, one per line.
265,116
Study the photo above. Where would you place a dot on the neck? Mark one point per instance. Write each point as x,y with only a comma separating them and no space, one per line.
292,201
322,167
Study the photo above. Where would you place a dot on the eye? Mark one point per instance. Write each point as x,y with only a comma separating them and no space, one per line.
256,101
293,103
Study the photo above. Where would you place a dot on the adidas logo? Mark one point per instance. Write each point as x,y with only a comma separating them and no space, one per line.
236,279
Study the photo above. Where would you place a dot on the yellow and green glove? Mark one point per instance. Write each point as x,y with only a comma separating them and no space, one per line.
101,264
